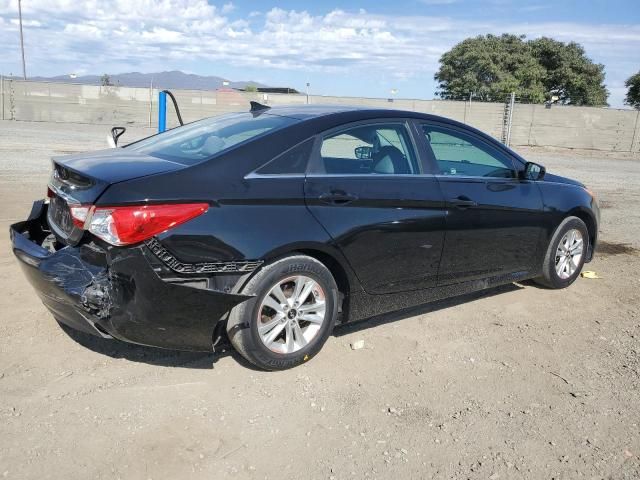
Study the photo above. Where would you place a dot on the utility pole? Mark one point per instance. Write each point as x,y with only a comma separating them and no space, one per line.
24,68
512,101
2,96
465,107
151,101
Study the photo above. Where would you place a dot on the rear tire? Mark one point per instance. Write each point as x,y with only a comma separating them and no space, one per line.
565,255
291,316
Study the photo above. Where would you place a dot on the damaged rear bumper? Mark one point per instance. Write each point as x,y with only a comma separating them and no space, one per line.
124,293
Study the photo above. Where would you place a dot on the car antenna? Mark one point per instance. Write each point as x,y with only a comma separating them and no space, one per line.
258,107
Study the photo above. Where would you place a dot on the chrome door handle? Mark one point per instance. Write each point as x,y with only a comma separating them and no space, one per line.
337,197
463,202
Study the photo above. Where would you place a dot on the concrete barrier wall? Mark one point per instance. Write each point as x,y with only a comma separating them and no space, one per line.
576,127
559,126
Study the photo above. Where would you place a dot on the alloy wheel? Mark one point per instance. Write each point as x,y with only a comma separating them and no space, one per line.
569,253
291,314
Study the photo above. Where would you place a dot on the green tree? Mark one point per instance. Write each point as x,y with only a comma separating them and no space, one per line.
633,92
250,88
570,74
490,67
105,80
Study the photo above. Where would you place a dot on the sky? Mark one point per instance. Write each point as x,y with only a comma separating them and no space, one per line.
354,48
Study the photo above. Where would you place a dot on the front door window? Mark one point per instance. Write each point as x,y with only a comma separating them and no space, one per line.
459,154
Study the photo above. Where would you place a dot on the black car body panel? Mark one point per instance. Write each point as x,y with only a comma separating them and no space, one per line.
498,235
551,178
390,241
119,293
84,177
113,165
562,199
392,234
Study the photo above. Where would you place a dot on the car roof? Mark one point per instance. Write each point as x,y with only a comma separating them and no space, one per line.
336,114
308,111
305,112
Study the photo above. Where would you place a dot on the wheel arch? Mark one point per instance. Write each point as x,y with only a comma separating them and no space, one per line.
344,282
345,278
588,219
335,267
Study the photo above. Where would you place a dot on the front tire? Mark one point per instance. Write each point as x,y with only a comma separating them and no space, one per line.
565,255
291,316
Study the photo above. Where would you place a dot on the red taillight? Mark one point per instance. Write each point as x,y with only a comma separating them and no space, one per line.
79,214
133,224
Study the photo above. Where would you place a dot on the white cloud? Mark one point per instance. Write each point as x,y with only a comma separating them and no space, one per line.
228,7
102,35
26,23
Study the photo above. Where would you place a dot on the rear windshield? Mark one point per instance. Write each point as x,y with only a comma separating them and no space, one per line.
203,139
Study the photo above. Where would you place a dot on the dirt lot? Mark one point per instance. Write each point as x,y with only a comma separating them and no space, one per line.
517,382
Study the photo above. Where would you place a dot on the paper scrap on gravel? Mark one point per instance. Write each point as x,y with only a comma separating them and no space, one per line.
589,274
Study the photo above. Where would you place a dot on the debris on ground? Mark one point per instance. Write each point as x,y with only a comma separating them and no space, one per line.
589,274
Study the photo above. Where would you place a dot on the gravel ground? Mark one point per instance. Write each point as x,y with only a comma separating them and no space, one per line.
514,383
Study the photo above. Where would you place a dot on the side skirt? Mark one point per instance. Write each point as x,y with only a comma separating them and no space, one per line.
363,305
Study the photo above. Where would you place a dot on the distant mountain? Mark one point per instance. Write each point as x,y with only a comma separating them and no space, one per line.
173,79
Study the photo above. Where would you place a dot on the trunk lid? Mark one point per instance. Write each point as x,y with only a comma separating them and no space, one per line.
80,179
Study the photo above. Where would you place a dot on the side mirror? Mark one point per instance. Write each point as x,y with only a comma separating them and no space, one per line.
116,133
533,171
364,153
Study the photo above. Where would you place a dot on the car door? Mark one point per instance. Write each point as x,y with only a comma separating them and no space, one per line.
494,218
366,186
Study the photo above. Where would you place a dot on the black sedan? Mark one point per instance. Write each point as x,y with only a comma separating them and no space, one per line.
274,225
